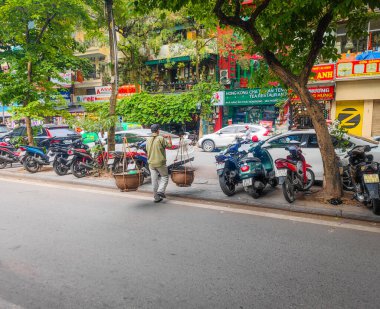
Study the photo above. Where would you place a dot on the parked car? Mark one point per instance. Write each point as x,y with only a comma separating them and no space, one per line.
3,130
45,131
137,135
310,148
227,135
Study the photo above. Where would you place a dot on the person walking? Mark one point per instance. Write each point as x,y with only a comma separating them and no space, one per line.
159,173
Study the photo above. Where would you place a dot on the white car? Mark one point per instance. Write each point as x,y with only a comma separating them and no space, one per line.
175,156
308,139
227,135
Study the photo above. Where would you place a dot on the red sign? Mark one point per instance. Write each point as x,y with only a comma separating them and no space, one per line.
323,72
358,68
321,93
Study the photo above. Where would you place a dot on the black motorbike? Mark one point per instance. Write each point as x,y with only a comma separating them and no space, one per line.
365,177
60,156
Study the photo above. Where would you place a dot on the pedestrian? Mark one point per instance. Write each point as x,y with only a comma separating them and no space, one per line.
156,150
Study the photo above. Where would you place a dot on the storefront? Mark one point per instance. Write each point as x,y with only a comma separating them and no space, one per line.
357,104
252,105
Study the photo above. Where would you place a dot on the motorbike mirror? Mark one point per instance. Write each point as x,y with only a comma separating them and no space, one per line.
367,148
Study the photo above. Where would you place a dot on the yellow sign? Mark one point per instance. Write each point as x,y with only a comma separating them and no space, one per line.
350,114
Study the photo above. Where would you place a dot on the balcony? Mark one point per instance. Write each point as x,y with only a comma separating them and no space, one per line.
169,87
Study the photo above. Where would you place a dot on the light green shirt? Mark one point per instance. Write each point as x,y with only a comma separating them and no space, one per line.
155,148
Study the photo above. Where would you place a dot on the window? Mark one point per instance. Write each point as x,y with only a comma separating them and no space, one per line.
241,129
312,143
18,131
285,140
61,132
228,130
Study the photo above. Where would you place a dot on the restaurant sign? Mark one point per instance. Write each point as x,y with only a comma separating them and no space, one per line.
321,93
358,68
322,72
255,96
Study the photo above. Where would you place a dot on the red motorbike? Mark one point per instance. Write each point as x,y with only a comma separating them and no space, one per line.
9,154
83,163
293,173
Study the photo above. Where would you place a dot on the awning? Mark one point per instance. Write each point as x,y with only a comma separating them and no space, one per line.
167,60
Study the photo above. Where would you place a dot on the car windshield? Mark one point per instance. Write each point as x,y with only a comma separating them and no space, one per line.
61,132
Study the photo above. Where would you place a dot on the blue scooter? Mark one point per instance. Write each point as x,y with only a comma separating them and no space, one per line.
36,157
228,166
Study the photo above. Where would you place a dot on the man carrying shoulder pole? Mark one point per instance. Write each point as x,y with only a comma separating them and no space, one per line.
155,147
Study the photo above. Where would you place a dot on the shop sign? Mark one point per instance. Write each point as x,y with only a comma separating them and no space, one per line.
350,115
103,90
323,72
91,98
321,93
358,68
256,96
218,98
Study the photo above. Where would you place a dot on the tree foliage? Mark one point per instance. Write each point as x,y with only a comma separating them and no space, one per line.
36,41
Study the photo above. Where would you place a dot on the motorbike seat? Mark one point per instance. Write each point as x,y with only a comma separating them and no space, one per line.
254,159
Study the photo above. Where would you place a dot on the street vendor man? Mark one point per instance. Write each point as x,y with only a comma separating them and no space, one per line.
156,149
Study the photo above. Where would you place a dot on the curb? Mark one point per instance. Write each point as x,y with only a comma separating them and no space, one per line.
337,213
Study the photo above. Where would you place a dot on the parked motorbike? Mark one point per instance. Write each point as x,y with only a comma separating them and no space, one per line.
84,163
257,170
9,154
294,173
138,157
365,176
61,161
228,167
35,157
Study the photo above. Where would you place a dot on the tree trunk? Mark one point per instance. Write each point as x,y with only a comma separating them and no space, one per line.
114,73
28,122
332,181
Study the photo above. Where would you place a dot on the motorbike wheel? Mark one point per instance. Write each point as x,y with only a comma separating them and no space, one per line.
228,187
288,190
273,182
376,206
310,179
255,193
347,182
3,164
77,170
31,165
60,169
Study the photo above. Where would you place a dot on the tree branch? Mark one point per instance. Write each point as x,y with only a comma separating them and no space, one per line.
43,29
316,45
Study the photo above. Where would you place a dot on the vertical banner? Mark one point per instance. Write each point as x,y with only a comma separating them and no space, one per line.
350,114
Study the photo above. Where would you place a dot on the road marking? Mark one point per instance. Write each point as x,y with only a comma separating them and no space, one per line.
134,196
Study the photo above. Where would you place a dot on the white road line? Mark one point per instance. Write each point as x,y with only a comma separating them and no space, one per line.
205,206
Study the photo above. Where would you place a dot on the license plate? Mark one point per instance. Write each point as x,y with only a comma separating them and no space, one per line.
111,161
282,172
51,158
70,157
281,180
371,178
67,142
247,182
219,166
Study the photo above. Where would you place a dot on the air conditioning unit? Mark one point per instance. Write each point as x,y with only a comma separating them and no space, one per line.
223,77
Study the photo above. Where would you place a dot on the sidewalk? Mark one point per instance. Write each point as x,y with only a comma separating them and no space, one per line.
207,189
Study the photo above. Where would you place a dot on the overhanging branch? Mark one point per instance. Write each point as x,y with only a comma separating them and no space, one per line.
316,45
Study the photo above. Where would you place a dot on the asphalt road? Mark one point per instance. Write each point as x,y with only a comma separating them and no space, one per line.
80,248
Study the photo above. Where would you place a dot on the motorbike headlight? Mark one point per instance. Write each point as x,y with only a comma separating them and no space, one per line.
363,168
